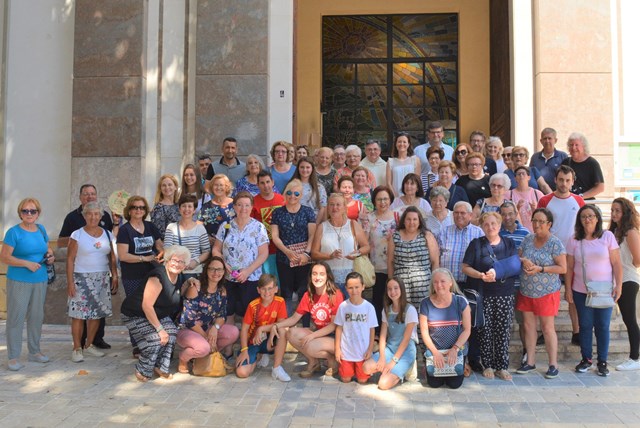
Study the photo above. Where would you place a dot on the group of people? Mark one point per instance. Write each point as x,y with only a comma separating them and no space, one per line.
276,245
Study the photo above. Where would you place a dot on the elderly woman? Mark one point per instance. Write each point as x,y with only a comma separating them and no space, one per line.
313,194
493,150
476,182
204,312
446,172
92,276
361,189
292,229
434,157
445,323
26,251
480,263
440,216
192,185
544,259
243,244
523,196
282,170
148,314
401,162
339,240
354,156
165,209
355,209
191,234
498,183
411,196
324,170
506,157
520,157
220,208
593,254
249,183
459,157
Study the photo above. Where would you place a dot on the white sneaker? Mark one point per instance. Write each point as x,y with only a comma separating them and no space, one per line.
77,356
264,361
278,373
93,351
629,365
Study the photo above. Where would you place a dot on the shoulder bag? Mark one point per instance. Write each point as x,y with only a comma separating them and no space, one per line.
362,264
51,270
458,368
211,365
599,293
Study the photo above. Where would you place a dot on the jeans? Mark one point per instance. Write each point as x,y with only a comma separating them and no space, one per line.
590,319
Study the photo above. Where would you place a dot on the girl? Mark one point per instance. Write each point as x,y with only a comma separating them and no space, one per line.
314,195
401,163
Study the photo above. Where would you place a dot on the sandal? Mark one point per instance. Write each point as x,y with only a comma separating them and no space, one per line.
488,373
504,375
162,374
141,378
310,370
183,367
467,370
332,371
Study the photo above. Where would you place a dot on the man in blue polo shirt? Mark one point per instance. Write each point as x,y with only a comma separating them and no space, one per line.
229,163
549,158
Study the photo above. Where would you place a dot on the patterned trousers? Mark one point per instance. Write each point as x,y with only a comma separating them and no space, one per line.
152,353
495,336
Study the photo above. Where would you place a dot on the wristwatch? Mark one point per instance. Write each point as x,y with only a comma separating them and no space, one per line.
395,359
217,326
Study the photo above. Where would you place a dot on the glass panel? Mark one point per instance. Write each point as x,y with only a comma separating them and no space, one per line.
405,119
339,74
441,72
442,95
407,73
375,74
372,97
338,119
354,37
338,97
407,96
371,119
380,135
417,36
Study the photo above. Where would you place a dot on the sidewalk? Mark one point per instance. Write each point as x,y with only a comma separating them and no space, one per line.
55,394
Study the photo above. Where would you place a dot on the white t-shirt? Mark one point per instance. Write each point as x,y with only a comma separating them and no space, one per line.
92,255
357,322
410,316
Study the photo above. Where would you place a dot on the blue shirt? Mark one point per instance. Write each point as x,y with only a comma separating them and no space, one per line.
453,243
282,178
517,235
533,180
548,167
29,246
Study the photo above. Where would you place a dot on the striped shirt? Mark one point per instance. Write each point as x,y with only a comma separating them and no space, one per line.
453,244
195,239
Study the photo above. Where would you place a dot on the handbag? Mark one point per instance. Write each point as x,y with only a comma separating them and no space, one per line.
362,264
455,370
599,293
211,365
51,270
477,308
298,248
505,268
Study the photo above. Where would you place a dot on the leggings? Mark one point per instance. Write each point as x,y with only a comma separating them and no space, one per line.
627,304
453,382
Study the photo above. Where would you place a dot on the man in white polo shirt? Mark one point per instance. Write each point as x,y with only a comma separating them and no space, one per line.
435,133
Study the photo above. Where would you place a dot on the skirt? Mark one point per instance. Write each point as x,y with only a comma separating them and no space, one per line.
93,296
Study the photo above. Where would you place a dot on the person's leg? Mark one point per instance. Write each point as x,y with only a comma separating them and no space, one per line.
227,336
245,370
435,382
148,341
92,329
130,286
248,292
379,288
18,296
530,336
193,345
346,370
35,316
163,360
502,333
77,327
454,382
234,298
278,351
550,338
301,278
99,336
486,334
627,304
287,284
601,322
575,318
388,381
585,318
361,376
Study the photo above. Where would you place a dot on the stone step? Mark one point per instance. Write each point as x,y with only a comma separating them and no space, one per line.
618,351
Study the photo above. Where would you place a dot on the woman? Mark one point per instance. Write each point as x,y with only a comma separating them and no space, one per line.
324,170
92,276
498,183
136,242
204,311
381,225
506,156
624,225
339,240
282,170
459,157
497,290
476,182
301,152
191,234
493,150
412,253
525,197
249,182
401,162
313,194
446,172
192,185
411,196
165,209
398,338
520,157
243,244
445,323
596,248
355,209
544,259
26,250
361,189
434,157
320,301
147,314
292,229
219,209
440,216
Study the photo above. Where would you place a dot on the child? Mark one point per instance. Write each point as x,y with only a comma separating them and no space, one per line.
355,329
254,338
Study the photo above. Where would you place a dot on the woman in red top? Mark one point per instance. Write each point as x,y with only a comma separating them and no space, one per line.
321,301
355,209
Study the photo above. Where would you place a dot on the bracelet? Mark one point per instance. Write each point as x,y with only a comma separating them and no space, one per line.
542,271
159,328
244,349
140,259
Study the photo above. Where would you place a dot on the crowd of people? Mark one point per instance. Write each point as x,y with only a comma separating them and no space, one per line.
243,259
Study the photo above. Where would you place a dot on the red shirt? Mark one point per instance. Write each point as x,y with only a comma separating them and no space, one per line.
258,315
321,309
263,211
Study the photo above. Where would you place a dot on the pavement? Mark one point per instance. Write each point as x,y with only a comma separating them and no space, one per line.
102,392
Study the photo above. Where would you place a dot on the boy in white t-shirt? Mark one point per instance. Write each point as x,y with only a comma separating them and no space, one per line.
355,330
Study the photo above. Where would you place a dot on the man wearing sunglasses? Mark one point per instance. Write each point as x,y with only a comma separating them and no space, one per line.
435,134
74,221
549,158
477,141
264,204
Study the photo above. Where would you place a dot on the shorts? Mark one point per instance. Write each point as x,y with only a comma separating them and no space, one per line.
545,306
348,369
254,350
516,313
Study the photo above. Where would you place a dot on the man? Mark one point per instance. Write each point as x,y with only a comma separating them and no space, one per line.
549,158
354,154
453,241
564,206
589,181
435,133
339,156
74,221
204,161
264,204
477,141
229,164
373,162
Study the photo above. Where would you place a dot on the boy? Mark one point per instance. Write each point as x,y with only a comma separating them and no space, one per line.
254,338
355,329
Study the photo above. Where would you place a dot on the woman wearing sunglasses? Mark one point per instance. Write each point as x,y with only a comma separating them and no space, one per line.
520,157
459,156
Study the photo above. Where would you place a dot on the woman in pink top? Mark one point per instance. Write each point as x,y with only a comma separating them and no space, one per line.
524,196
594,250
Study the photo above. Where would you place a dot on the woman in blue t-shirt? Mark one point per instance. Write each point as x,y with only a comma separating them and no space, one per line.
26,250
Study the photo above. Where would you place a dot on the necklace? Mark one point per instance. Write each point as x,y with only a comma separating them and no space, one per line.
139,229
293,217
338,234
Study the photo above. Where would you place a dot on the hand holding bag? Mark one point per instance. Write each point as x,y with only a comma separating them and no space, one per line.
210,366
599,293
362,264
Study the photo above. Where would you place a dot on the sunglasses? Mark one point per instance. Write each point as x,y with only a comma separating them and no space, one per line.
138,207
506,155
289,193
462,152
29,212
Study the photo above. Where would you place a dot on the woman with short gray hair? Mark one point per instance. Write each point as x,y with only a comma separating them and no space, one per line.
498,183
440,216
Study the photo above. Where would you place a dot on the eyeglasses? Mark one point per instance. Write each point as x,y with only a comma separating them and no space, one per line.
383,199
462,152
474,165
520,174
215,270
506,155
29,212
289,193
518,155
496,186
534,221
587,217
280,151
138,207
178,262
